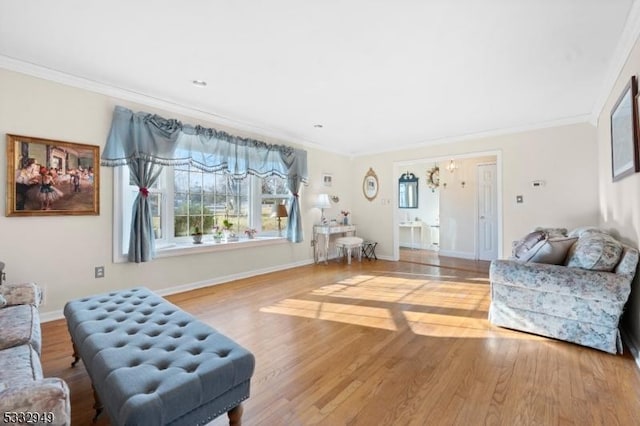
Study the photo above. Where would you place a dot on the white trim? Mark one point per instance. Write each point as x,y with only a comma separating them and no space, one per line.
628,39
56,76
58,314
578,119
45,73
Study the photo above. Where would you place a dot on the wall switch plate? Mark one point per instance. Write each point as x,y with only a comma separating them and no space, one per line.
99,272
519,199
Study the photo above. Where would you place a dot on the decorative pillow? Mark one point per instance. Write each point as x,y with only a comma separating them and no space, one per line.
553,232
595,251
526,247
553,250
584,230
3,301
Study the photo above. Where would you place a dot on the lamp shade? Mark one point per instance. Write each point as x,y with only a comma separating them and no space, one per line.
281,211
323,201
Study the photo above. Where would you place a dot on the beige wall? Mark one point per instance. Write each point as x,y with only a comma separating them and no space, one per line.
620,201
60,252
564,157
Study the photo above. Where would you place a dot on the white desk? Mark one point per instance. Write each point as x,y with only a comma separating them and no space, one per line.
326,231
413,226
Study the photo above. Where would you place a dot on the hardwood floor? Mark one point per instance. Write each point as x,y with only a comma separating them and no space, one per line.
389,343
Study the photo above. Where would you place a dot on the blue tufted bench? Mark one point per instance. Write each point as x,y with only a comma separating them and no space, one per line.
153,364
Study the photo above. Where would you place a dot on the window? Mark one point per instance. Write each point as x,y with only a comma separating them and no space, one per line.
184,198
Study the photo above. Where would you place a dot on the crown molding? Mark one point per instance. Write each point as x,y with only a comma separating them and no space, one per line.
56,76
579,119
628,39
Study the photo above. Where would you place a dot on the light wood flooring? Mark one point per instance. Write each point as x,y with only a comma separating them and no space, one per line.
389,343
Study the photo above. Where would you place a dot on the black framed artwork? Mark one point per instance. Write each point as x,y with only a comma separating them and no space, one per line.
624,133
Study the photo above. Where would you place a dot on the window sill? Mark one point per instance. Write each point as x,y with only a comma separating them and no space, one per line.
186,248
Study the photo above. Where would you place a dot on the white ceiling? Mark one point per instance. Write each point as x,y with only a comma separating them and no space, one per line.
377,75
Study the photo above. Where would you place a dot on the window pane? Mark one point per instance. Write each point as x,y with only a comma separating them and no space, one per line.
181,224
206,199
155,201
195,181
269,219
181,180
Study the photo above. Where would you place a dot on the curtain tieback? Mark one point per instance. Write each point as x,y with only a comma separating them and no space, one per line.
144,191
295,194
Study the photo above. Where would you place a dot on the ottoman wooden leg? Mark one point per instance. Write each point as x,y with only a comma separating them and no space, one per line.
235,415
76,358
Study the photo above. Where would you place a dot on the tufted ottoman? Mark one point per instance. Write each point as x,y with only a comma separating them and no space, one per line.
153,364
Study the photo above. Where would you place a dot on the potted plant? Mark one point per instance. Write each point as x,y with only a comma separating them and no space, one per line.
229,234
217,234
250,233
197,236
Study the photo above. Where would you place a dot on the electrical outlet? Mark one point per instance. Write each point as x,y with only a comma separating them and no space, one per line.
519,199
99,272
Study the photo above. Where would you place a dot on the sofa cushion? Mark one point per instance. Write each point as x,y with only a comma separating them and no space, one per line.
3,301
20,324
595,251
584,230
19,364
525,248
552,250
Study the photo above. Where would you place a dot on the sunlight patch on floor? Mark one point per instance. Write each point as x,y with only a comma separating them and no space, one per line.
438,325
344,313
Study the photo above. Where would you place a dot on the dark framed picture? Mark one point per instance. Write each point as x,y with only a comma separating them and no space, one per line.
624,133
48,177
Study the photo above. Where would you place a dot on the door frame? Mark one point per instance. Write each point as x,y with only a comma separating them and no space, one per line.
400,167
477,211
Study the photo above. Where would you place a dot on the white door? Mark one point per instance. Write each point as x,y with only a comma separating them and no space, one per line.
487,212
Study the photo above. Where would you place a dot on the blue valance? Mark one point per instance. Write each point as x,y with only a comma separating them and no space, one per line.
145,142
152,138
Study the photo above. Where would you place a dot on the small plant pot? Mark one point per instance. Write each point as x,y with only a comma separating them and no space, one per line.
197,238
217,239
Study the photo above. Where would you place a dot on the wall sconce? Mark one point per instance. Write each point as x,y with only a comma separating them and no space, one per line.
452,166
334,198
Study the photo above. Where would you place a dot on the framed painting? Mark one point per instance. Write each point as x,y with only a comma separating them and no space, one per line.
327,179
624,133
48,177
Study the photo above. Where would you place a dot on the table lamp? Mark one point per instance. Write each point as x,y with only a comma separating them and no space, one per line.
281,212
323,202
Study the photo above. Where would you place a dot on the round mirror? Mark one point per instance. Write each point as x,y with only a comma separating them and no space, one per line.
370,185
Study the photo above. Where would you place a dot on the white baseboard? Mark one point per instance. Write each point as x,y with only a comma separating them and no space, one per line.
58,314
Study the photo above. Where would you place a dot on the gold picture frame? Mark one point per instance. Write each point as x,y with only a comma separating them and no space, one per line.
370,185
49,178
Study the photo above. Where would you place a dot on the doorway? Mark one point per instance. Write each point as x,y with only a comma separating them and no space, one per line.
467,215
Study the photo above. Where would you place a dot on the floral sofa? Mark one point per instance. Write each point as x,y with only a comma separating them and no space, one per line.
26,397
569,286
